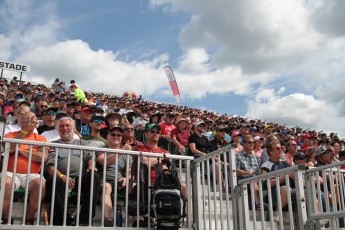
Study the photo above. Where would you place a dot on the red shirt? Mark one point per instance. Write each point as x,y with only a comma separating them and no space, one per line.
167,128
146,148
181,136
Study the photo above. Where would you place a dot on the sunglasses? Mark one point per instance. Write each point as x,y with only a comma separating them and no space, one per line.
221,130
115,134
154,132
278,148
128,129
50,113
98,121
44,106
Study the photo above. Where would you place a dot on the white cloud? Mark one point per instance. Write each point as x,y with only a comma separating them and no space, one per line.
296,109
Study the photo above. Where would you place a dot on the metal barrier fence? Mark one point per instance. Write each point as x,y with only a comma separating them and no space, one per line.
214,180
45,216
271,200
328,184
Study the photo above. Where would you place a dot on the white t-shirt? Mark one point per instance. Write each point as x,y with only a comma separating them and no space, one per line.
53,135
14,128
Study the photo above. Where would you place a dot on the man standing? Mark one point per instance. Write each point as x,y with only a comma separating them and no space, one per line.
65,126
28,124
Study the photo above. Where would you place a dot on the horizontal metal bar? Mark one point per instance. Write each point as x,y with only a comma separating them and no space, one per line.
271,174
327,215
91,148
328,166
214,153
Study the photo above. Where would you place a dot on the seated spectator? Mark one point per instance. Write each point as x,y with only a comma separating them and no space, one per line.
311,157
299,159
82,124
48,119
291,150
70,109
128,136
28,123
113,142
248,165
111,120
236,139
323,156
179,137
96,122
258,145
198,144
274,163
20,111
155,118
126,109
53,135
65,126
166,127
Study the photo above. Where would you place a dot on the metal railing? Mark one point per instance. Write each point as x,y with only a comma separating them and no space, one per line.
328,184
213,185
44,217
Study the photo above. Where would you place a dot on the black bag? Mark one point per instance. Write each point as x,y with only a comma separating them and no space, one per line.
168,203
142,182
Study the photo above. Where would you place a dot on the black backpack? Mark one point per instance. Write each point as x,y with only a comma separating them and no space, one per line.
168,203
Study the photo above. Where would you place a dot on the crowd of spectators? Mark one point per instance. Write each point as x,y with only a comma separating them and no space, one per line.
260,145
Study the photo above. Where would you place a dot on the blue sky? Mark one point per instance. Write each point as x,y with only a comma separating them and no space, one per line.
280,61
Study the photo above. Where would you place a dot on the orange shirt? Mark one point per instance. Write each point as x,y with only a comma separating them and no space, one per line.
23,163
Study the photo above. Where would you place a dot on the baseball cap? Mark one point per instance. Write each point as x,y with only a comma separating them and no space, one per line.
23,102
51,109
86,108
114,128
151,126
96,117
235,134
321,150
308,136
199,123
60,114
258,138
299,156
19,95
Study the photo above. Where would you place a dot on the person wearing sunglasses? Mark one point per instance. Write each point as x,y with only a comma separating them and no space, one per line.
291,150
248,165
129,137
96,123
48,120
151,135
24,169
274,163
112,160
